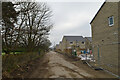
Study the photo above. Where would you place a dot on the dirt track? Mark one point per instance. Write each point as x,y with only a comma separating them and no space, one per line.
55,65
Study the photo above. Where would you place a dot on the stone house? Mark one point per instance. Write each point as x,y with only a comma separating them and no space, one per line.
60,45
105,41
72,42
56,47
88,43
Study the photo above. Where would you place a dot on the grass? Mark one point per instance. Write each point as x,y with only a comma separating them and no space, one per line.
11,62
3,53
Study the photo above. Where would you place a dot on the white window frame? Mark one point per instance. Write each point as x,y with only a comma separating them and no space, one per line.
109,20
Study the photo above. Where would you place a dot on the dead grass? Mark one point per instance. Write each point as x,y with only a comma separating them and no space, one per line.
11,62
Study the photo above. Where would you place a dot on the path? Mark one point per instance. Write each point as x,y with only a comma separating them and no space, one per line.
55,65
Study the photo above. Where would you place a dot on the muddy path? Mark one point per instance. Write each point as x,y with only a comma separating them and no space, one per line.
55,65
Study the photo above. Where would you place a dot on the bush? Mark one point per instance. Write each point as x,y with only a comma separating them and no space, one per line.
12,61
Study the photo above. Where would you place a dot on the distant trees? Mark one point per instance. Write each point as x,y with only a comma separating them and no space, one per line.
45,44
30,26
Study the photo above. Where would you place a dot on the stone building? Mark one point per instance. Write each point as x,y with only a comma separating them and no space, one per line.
72,42
105,42
88,43
57,47
60,45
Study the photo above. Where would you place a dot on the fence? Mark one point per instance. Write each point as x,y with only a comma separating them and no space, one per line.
106,56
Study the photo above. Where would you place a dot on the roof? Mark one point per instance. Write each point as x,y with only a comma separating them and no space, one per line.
98,12
74,38
101,8
89,38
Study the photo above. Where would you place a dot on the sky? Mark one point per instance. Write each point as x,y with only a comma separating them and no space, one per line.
72,18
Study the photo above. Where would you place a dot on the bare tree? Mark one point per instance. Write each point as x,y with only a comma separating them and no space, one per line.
36,25
33,24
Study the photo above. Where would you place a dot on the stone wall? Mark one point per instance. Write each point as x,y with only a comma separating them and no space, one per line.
105,37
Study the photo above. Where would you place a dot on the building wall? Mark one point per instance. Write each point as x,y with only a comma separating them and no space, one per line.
79,43
63,44
88,44
66,45
119,39
60,46
105,38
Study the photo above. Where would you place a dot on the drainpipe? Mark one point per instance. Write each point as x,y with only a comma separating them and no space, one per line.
66,47
93,51
98,56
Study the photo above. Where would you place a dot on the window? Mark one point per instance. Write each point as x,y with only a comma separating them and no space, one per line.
82,42
71,42
111,21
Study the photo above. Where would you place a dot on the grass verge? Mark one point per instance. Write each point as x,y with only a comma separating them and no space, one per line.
14,61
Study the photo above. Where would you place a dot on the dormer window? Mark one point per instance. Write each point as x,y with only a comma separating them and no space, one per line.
111,21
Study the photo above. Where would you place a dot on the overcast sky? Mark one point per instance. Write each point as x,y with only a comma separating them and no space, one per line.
72,18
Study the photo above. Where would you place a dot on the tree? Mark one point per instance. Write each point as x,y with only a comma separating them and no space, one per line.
36,25
8,24
31,27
